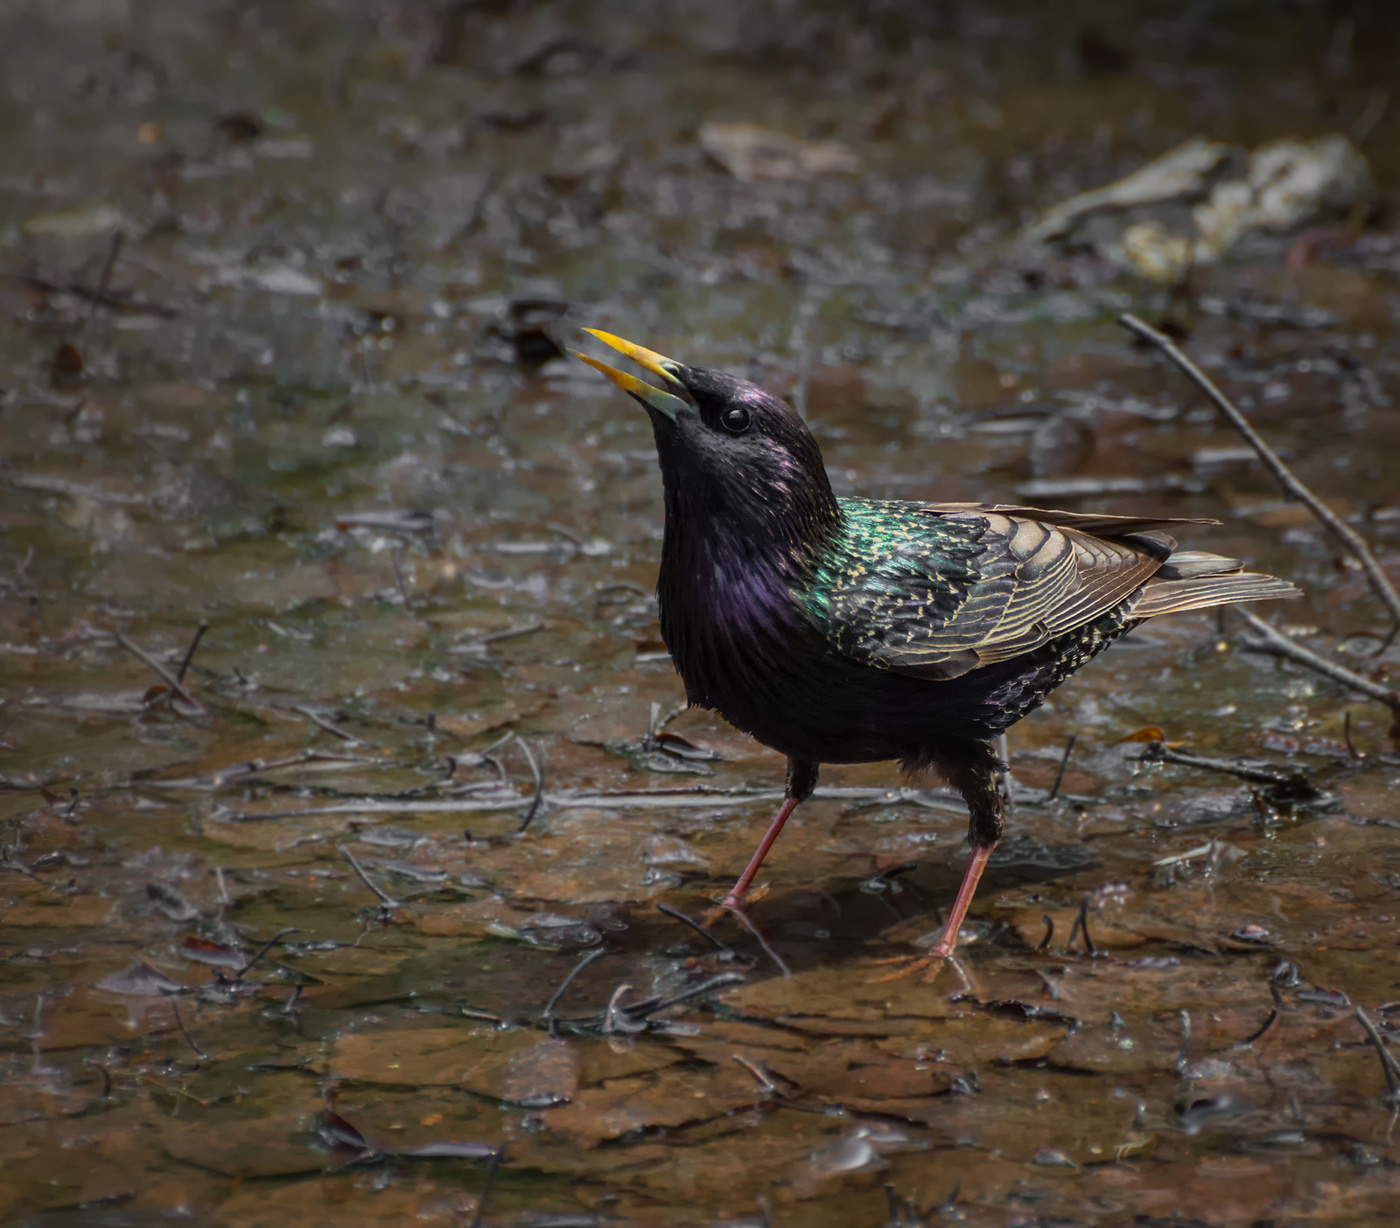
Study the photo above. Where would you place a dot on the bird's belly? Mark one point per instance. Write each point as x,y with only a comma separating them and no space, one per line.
817,705
831,710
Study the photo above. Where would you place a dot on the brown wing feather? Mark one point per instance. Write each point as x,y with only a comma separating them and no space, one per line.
1039,580
1101,573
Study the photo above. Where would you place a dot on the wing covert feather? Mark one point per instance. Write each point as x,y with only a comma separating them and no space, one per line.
964,586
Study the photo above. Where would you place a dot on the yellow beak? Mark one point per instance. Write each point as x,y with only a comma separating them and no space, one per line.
648,360
658,364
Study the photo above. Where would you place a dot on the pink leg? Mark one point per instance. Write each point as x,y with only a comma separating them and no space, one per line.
971,877
735,899
944,947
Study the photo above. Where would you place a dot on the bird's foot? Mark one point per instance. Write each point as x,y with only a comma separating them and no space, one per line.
733,903
931,964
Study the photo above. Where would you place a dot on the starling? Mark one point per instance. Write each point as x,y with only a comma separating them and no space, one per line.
844,630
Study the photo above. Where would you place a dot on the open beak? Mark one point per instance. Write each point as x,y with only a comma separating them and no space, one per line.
657,364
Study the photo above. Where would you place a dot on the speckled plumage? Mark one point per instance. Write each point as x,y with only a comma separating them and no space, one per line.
856,630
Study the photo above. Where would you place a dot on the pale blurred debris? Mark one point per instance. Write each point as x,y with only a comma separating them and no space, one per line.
750,152
1203,200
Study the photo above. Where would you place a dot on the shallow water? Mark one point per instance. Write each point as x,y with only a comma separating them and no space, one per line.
286,288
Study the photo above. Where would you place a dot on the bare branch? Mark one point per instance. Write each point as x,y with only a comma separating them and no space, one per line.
387,900
1292,486
1279,645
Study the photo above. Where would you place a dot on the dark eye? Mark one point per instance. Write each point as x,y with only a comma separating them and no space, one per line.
736,419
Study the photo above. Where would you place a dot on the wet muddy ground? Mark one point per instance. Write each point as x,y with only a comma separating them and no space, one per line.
286,914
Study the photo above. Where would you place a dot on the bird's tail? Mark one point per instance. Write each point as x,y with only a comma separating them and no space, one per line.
1194,580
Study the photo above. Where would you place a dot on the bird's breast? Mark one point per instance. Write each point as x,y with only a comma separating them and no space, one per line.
734,632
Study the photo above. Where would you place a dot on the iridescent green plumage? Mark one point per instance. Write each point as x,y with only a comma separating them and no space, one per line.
888,555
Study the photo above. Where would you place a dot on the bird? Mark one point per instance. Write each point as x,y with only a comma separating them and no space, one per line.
855,630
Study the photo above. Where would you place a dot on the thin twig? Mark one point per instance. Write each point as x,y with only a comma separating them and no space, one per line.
1292,487
761,1076
185,1032
688,797
102,282
1253,1036
1280,778
321,723
265,948
165,675
949,1206
1044,943
537,771
762,941
652,1005
698,928
1064,763
1346,734
614,1020
1388,1063
1279,645
1081,926
548,1014
492,1169
495,637
387,900
190,651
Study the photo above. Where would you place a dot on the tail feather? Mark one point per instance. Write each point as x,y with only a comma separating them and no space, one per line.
1188,564
1198,591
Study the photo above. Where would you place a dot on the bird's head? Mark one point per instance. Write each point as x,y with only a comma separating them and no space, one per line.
729,451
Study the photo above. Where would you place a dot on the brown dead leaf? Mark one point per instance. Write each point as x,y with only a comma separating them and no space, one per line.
338,1201
276,1146
842,1002
667,1098
546,1074
978,1038
473,724
274,834
841,1069
57,910
585,856
1148,733
20,1104
477,1059
491,915
739,1033
92,1017
602,1059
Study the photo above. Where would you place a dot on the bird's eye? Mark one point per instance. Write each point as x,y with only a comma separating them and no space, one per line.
736,419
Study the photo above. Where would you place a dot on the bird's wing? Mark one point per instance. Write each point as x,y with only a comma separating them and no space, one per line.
988,583
1087,522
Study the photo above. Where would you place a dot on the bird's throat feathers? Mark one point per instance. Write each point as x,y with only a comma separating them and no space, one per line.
741,547
749,510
